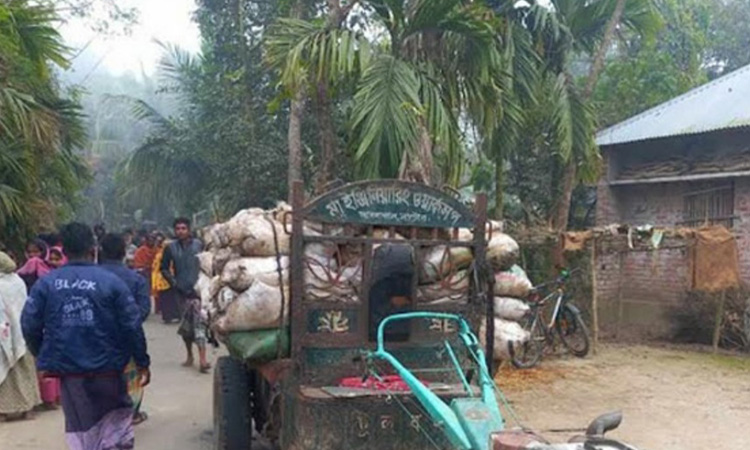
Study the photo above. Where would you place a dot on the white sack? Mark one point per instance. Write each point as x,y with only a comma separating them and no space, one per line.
326,283
502,251
494,226
510,308
512,283
253,233
505,332
441,261
224,298
258,308
215,236
222,256
239,274
203,288
452,289
206,260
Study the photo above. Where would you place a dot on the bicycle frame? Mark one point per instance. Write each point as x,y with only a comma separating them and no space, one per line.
538,306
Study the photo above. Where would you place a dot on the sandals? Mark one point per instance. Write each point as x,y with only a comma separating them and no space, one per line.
140,418
206,368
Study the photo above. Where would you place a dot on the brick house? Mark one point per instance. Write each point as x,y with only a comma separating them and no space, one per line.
682,163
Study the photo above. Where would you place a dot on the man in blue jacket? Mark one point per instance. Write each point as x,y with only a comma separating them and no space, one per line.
83,325
113,250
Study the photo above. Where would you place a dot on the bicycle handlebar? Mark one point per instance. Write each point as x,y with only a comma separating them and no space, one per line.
564,276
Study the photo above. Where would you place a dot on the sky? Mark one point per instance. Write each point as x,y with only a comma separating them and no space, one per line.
168,21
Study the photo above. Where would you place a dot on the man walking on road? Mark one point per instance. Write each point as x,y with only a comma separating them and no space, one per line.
113,251
180,267
83,325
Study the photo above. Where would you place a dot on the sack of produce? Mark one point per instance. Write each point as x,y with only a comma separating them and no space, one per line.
258,345
215,236
502,251
332,284
512,283
505,332
239,274
252,232
510,308
202,288
453,289
257,308
224,298
441,261
492,227
206,260
222,256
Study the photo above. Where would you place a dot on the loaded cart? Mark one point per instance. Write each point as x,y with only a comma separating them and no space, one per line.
382,337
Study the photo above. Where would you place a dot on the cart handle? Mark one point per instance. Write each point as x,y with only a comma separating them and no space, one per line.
464,329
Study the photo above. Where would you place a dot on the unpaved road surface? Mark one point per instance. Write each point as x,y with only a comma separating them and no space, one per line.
178,401
671,399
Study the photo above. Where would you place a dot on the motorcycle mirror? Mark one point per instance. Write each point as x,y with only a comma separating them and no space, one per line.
604,423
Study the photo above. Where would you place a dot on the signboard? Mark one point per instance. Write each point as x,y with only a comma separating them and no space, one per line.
392,203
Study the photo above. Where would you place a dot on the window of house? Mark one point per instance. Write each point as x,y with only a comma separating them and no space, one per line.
713,206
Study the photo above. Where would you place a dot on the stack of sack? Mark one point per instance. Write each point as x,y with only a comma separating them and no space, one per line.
242,279
511,286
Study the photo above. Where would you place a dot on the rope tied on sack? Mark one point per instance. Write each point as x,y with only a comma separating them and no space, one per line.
279,271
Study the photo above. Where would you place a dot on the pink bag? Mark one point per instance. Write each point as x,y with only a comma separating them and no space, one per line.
49,388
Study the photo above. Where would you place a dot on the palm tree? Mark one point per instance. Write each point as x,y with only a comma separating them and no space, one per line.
39,130
435,62
592,26
166,169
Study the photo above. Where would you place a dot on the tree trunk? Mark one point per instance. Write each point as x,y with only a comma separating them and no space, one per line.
294,138
598,64
562,211
294,133
499,187
327,133
419,167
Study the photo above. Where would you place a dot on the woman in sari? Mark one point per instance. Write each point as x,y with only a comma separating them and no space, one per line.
19,390
158,283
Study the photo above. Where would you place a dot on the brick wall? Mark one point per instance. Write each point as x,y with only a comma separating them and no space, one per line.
648,283
742,225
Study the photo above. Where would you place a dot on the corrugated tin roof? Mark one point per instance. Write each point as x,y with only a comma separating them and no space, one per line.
722,103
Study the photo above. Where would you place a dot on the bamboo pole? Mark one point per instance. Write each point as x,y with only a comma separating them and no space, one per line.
594,300
719,319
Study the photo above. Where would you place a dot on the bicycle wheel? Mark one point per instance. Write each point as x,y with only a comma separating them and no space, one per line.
573,331
525,355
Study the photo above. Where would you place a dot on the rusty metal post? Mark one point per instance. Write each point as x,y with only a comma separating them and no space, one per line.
297,270
480,249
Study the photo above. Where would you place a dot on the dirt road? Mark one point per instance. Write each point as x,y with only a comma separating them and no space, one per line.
178,402
672,400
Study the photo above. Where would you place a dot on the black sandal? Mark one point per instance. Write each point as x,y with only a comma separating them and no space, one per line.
140,418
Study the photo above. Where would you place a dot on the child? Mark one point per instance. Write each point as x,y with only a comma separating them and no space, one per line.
36,266
56,258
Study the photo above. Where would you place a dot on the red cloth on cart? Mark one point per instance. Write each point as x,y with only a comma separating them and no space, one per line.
392,383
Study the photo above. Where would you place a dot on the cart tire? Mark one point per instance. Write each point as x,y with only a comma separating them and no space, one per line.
232,410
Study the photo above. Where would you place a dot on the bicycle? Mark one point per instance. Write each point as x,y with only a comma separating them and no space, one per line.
565,322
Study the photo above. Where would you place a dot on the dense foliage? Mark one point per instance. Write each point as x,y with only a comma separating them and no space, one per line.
496,95
40,126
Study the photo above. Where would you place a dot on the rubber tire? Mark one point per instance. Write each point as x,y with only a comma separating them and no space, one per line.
232,406
581,326
519,364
